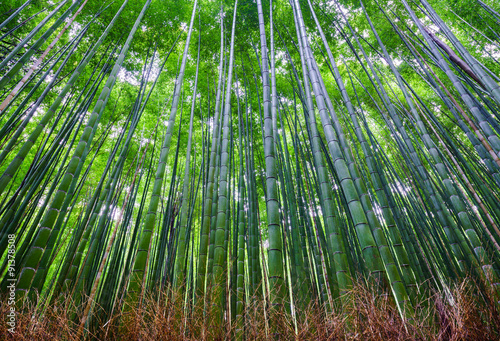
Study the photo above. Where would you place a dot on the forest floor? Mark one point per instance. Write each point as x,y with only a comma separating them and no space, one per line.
466,313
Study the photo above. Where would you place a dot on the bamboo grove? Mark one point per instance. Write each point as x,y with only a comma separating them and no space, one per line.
247,152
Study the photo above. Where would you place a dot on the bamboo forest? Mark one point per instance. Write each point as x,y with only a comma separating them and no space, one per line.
250,170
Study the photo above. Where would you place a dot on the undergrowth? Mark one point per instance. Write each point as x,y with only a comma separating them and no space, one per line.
464,313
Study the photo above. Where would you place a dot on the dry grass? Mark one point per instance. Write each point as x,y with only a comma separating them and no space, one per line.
369,317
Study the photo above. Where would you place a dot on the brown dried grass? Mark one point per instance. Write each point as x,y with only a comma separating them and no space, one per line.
474,315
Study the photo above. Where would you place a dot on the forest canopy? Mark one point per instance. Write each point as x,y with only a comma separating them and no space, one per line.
248,159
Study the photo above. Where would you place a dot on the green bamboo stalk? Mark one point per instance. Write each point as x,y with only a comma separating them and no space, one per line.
13,15
210,192
38,247
140,259
275,250
23,42
220,249
179,280
27,55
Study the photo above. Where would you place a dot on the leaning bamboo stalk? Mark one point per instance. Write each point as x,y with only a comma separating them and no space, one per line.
489,84
27,55
436,159
17,129
35,134
111,186
333,232
38,61
399,247
461,124
456,202
370,234
453,56
140,262
72,170
6,21
22,43
93,291
180,273
490,10
473,107
471,189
